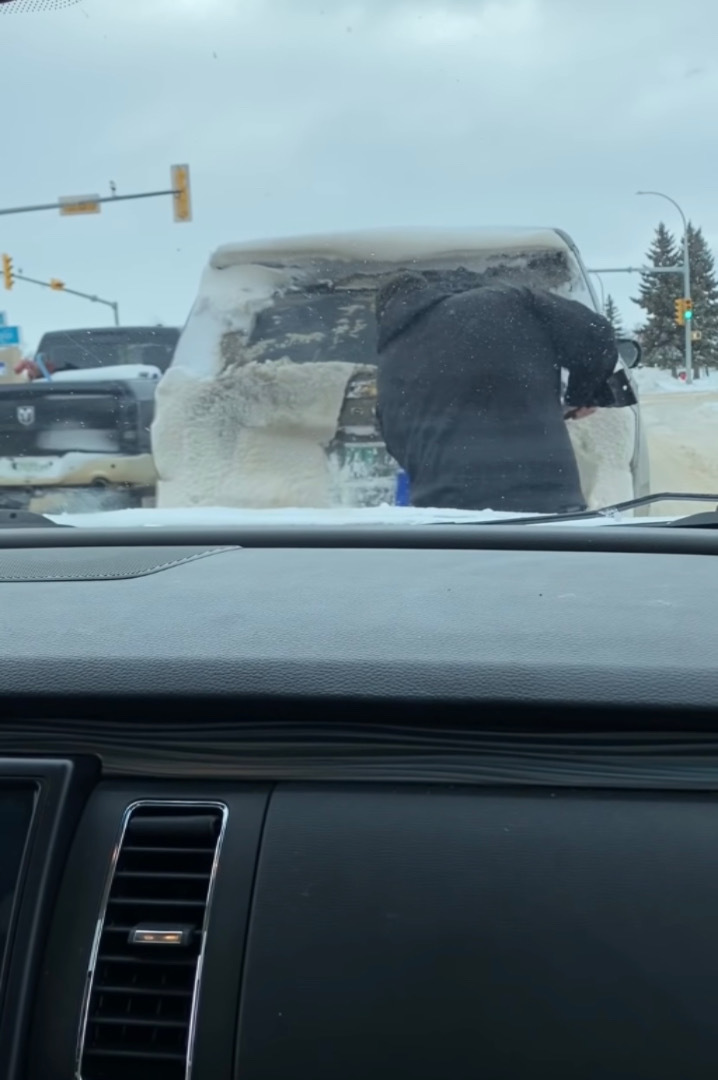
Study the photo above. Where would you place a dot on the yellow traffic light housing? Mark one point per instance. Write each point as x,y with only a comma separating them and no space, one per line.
180,193
56,284
7,272
687,310
680,310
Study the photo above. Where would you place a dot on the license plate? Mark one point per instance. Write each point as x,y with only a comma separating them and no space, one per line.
28,466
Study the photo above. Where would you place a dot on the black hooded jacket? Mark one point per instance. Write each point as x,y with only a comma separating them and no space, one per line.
469,393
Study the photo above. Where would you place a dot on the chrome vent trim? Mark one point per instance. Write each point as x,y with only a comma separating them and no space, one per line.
157,804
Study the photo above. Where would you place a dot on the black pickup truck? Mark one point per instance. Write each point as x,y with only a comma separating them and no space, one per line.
75,443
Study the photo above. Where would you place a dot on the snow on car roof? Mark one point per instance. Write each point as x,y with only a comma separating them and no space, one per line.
390,245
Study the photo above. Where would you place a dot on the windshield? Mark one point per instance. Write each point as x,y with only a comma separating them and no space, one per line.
402,261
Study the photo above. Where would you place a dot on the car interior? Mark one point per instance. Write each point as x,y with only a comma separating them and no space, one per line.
348,802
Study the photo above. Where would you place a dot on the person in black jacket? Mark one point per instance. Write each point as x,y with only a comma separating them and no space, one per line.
469,392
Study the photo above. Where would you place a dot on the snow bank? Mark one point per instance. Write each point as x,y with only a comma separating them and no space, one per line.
651,380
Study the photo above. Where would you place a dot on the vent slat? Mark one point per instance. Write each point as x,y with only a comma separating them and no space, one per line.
141,991
158,875
129,1021
145,1055
130,957
134,849
155,902
141,997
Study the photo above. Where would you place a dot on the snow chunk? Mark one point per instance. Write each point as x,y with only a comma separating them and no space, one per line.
604,444
254,436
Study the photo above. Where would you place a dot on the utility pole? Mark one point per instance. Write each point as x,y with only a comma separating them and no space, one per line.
687,299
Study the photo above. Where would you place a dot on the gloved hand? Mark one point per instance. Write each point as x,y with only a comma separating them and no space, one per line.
616,392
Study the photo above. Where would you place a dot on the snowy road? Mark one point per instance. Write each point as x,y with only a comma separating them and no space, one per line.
682,434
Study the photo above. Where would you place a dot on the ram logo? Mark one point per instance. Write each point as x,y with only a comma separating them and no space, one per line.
25,415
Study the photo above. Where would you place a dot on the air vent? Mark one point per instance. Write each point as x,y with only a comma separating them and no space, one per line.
145,976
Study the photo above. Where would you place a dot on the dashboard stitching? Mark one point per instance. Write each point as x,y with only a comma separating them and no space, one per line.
120,576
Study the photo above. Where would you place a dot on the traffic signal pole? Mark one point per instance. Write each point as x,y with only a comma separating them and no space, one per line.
59,286
687,305
687,322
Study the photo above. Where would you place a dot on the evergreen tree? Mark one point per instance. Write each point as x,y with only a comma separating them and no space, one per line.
613,315
704,293
662,339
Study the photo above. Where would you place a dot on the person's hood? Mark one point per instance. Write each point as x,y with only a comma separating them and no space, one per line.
404,309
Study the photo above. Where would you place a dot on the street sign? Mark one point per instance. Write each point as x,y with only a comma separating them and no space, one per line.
9,335
179,178
696,335
79,204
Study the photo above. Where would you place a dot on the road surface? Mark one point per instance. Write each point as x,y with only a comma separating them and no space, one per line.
682,435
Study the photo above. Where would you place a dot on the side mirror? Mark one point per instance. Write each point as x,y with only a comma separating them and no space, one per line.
629,351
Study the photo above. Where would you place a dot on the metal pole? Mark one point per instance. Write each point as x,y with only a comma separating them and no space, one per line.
74,292
597,275
108,198
687,323
638,270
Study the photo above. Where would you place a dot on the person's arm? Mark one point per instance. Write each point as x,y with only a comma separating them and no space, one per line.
585,344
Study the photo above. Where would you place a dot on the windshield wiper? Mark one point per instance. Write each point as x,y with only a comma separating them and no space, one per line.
615,509
26,519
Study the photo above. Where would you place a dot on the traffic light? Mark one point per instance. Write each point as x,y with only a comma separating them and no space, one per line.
180,193
8,276
56,284
679,309
687,310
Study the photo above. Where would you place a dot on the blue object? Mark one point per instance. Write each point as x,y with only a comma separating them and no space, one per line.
40,361
9,335
402,495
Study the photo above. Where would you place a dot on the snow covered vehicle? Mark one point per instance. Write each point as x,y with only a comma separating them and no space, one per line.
75,432
270,397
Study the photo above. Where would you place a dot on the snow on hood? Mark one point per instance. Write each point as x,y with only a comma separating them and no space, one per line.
389,516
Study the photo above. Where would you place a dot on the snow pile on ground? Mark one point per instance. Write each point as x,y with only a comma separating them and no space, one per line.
682,435
651,380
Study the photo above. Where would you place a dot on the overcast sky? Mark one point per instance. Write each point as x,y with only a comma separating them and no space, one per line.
317,115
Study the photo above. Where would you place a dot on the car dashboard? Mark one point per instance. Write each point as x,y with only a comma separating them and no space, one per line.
426,803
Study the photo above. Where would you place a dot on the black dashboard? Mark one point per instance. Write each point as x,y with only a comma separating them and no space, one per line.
427,804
